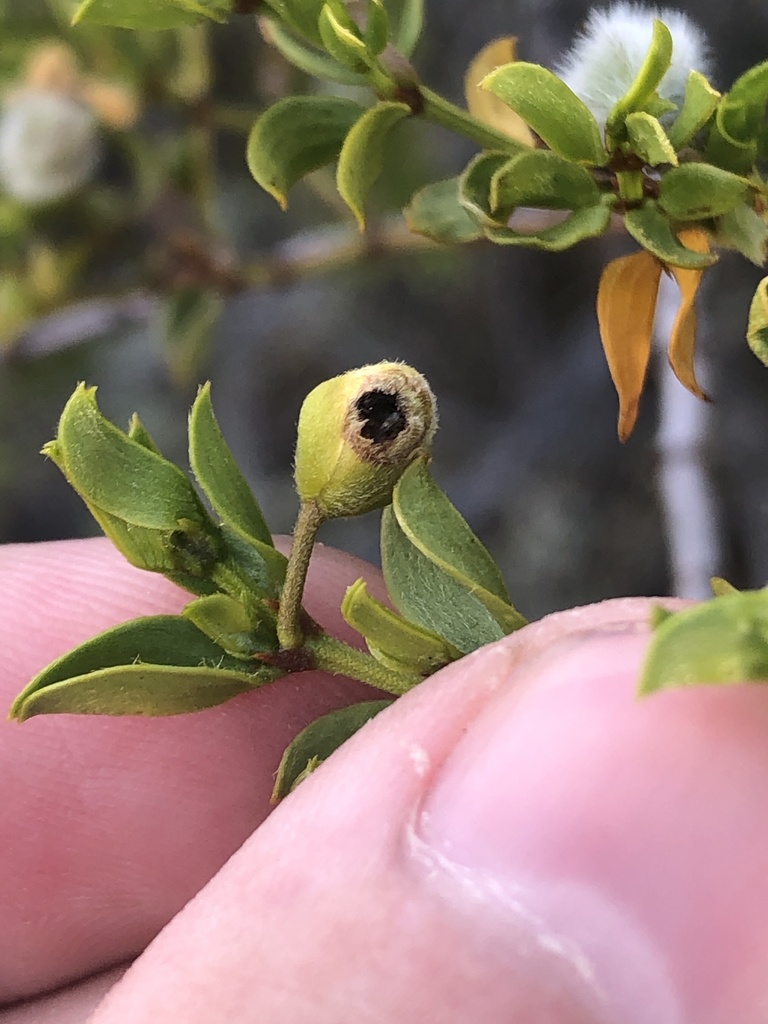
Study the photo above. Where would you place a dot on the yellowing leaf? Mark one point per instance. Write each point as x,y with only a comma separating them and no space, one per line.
682,341
626,305
483,104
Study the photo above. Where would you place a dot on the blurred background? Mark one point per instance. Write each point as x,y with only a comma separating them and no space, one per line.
172,266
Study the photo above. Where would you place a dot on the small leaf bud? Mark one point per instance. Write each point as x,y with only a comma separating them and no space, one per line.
357,433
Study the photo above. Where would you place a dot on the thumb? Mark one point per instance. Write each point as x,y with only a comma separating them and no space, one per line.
519,839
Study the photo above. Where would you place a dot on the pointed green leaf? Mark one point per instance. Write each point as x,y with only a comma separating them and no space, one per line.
362,156
219,475
436,527
150,14
651,228
431,597
295,136
586,223
319,740
541,179
698,107
376,34
410,26
306,57
475,186
744,108
721,587
139,433
301,15
392,639
435,211
341,37
157,640
117,474
227,623
724,640
724,149
648,140
186,326
648,78
551,109
259,567
745,231
700,191
757,329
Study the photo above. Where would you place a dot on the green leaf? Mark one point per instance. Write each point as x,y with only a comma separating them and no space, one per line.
743,109
427,595
227,623
117,474
651,228
362,156
700,191
648,140
586,223
475,186
551,109
342,40
436,527
757,329
139,433
541,179
258,566
723,148
643,89
745,231
721,641
410,26
148,644
300,15
306,57
699,105
295,136
376,34
219,475
436,211
721,587
319,740
150,14
391,639
187,322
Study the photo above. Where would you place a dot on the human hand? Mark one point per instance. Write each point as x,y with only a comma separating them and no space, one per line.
519,839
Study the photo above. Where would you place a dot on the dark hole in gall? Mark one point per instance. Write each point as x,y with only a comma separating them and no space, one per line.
382,414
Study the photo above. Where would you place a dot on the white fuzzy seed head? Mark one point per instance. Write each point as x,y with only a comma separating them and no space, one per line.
604,60
48,146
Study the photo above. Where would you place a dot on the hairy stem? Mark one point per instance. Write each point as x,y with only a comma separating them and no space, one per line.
308,522
332,655
441,111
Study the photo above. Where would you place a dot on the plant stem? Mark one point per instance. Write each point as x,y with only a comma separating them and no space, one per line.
308,522
441,111
332,655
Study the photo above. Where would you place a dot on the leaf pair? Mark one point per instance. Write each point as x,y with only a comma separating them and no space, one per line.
300,134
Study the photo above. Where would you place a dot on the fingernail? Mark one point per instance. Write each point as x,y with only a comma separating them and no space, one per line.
540,811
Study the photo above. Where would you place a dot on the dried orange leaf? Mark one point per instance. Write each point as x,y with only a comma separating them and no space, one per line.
682,340
483,104
626,305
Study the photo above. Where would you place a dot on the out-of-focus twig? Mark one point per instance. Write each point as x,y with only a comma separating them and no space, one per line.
686,492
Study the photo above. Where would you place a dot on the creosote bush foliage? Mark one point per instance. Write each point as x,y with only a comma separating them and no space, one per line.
627,133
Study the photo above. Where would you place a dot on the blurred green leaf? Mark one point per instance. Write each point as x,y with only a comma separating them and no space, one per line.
391,639
319,740
721,587
187,322
301,15
724,149
724,640
409,26
643,89
578,225
648,140
295,136
362,156
699,105
341,38
376,34
150,14
219,475
757,329
436,211
699,191
745,231
227,623
541,179
743,108
150,643
651,228
551,109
